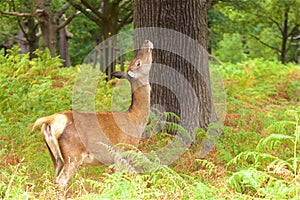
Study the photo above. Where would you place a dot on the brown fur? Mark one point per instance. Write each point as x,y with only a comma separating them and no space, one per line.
65,140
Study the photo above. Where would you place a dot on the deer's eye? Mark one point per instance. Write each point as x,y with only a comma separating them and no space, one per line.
138,63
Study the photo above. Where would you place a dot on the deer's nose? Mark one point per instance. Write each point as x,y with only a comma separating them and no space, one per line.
148,44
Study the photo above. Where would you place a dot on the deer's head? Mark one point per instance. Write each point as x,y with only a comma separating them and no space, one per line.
139,68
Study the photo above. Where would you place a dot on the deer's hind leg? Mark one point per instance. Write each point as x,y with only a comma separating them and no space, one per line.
67,171
73,153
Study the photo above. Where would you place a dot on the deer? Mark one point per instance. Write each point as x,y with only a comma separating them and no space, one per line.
63,135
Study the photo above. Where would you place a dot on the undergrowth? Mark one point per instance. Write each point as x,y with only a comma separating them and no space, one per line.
261,143
257,157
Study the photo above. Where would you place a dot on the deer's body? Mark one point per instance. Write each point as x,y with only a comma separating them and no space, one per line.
68,151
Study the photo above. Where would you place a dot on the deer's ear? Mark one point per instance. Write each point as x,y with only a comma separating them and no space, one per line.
120,75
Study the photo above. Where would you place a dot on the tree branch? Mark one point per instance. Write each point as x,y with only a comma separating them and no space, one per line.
93,9
293,30
17,14
126,20
267,45
215,58
62,10
23,30
69,19
85,12
277,24
13,36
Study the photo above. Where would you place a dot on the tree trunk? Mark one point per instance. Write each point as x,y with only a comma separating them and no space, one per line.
22,42
285,36
48,26
188,17
63,45
32,38
29,41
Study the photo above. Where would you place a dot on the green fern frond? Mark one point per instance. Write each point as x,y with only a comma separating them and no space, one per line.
255,182
155,123
262,185
172,116
140,161
120,164
255,159
294,113
174,127
282,164
246,180
274,141
127,146
296,164
205,163
282,127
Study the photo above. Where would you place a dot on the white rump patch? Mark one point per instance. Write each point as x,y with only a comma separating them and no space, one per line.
58,125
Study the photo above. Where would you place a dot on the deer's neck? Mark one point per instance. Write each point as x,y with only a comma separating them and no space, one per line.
140,104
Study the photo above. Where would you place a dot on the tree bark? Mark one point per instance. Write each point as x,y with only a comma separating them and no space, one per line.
188,17
285,36
63,45
110,16
29,41
48,26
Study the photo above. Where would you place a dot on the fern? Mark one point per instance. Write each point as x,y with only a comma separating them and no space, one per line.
205,163
140,161
170,116
254,159
296,114
155,124
283,127
260,184
275,141
281,168
265,174
254,182
120,164
174,127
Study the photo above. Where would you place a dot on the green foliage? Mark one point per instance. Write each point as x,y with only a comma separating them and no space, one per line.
258,156
272,167
162,183
231,49
260,145
259,79
88,33
259,184
81,44
262,25
12,181
28,91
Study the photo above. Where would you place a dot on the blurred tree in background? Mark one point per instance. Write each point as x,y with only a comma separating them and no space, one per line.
266,29
238,29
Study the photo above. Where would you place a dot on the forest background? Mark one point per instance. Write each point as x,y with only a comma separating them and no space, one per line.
254,45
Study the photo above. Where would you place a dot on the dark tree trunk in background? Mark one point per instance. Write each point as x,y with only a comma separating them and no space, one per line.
28,39
28,28
190,18
63,45
48,26
111,17
285,36
53,29
49,23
